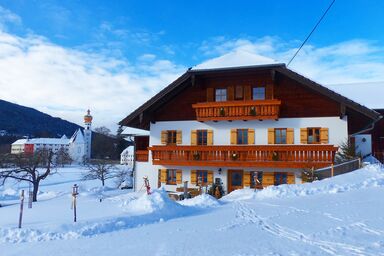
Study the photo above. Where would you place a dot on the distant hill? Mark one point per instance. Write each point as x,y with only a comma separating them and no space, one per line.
23,121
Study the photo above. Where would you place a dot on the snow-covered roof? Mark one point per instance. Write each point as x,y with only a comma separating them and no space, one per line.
77,136
135,132
362,93
20,142
52,141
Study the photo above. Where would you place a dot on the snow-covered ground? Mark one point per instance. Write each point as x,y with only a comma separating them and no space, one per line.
339,216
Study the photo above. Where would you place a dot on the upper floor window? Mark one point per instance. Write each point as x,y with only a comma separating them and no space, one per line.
258,93
171,137
280,135
313,136
221,95
242,136
202,137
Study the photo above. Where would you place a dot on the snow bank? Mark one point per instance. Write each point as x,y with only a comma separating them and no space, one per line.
369,176
201,201
137,210
9,194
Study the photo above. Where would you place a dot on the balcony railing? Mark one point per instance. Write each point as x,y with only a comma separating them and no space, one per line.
237,110
142,155
278,156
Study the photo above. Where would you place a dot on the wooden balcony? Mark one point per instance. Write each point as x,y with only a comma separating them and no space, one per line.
275,156
142,155
237,110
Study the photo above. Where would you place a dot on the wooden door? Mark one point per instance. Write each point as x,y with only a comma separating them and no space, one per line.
280,178
235,180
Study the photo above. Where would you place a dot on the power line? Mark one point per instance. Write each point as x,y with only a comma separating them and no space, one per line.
306,39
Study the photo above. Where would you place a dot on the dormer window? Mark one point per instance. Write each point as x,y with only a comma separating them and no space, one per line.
221,95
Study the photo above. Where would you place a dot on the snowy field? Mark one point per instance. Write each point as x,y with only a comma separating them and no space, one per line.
339,216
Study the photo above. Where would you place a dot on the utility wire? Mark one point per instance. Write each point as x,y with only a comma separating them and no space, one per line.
306,39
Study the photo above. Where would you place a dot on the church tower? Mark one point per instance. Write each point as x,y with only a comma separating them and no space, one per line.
88,134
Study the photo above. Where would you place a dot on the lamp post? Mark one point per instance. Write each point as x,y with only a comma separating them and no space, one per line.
75,192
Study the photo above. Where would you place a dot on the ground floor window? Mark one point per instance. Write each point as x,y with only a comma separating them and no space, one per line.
256,179
171,177
280,178
202,178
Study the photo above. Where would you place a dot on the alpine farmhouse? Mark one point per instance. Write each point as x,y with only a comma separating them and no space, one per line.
251,126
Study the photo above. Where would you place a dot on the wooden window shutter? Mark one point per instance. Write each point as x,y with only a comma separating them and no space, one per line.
210,94
269,92
247,179
210,177
193,137
163,137
324,136
247,92
178,177
290,178
194,177
251,136
210,137
271,136
230,93
179,137
163,176
290,136
303,135
268,179
233,136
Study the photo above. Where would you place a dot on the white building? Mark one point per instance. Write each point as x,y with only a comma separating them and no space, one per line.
78,146
250,126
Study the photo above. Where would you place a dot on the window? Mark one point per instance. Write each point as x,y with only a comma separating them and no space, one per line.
280,136
313,136
258,93
256,179
202,178
221,95
202,137
171,177
242,136
171,137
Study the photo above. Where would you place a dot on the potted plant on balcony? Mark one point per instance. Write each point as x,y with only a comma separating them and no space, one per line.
234,156
275,156
222,111
252,111
196,156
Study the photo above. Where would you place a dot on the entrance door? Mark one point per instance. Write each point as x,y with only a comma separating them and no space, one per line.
235,180
280,178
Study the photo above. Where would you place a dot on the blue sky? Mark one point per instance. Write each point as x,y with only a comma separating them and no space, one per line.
112,56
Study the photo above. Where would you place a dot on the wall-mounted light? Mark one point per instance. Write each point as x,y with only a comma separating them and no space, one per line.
219,171
364,140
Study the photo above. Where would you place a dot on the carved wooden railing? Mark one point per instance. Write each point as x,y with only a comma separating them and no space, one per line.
278,156
142,155
237,110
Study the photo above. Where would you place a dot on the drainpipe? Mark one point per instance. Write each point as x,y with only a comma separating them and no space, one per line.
370,127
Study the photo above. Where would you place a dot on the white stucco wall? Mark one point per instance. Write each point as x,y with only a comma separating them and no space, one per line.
363,143
338,129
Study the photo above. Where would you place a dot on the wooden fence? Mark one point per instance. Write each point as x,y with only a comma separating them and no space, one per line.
338,169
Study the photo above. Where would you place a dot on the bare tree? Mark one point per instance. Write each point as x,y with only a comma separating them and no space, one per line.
103,130
62,157
31,168
100,169
122,176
